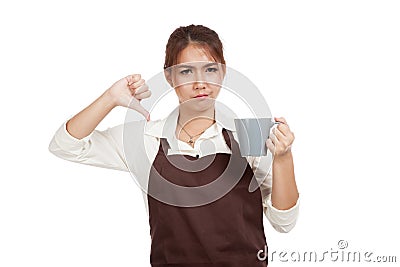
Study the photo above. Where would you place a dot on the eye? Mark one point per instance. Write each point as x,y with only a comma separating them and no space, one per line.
186,71
211,69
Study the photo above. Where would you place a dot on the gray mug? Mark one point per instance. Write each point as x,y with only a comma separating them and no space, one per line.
252,134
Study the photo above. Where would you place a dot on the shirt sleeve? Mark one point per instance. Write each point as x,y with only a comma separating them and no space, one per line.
100,148
281,220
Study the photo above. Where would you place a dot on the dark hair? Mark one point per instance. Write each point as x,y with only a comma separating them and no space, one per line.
197,35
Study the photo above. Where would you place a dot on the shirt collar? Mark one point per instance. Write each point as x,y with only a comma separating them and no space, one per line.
165,128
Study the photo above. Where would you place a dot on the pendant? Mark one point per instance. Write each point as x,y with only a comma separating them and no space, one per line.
190,141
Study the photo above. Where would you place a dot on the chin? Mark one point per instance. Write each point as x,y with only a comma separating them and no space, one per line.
197,105
205,105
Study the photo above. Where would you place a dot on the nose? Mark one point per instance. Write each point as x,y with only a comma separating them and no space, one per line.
199,85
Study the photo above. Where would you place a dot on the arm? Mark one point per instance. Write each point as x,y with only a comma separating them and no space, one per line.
282,220
284,190
83,123
122,93
78,141
99,148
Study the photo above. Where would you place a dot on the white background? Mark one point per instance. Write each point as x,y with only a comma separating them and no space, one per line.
331,68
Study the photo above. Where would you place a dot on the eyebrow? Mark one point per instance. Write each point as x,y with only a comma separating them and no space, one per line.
185,66
210,64
190,66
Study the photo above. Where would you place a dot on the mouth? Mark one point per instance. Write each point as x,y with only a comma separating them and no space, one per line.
201,96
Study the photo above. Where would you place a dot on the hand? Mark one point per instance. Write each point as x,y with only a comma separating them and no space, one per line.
129,91
281,138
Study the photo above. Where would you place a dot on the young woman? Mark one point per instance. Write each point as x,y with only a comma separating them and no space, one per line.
190,228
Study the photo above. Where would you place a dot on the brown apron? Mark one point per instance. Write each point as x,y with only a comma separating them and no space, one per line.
226,232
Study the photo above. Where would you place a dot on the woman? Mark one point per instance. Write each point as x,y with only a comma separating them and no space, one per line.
227,231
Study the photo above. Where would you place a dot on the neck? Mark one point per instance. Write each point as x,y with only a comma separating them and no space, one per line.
195,121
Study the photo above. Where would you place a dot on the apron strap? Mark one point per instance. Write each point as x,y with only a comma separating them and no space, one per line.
227,136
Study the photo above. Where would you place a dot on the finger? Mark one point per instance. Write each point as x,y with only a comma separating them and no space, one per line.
137,84
284,129
128,80
143,95
141,89
136,77
284,140
279,135
273,138
131,79
270,146
280,119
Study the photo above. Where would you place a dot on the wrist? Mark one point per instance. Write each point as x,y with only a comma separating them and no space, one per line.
287,156
109,99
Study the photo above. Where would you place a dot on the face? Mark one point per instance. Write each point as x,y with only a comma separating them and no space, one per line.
196,78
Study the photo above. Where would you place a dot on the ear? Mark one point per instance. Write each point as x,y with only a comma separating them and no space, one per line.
223,70
167,74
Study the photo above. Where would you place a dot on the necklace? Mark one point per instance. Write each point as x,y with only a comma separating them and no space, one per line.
190,142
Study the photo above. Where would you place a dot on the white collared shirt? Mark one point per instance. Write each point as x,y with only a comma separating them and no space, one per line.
133,146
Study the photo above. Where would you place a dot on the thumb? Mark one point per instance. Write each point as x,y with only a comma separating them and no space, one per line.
280,119
144,112
139,108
